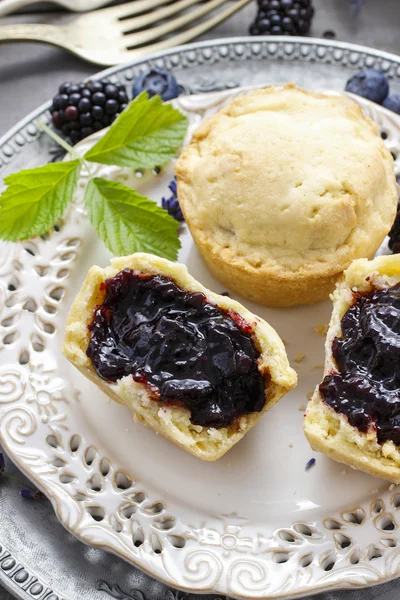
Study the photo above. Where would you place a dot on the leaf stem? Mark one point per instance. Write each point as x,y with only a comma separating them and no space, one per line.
60,141
64,144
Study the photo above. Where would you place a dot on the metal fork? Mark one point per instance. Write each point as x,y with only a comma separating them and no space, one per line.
9,6
107,36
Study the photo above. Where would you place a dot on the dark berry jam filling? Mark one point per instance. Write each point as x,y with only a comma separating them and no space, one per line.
188,351
367,387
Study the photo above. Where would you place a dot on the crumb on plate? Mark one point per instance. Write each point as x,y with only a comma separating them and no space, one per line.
321,329
299,357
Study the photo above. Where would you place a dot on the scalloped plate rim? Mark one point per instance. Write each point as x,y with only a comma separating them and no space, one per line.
33,115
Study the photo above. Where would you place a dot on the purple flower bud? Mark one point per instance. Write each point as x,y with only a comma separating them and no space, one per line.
310,464
171,205
2,463
31,494
356,5
28,494
172,187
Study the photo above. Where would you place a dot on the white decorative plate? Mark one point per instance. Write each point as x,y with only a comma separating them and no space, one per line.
255,524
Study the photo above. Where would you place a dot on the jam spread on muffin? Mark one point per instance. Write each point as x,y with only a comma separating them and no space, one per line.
187,351
367,387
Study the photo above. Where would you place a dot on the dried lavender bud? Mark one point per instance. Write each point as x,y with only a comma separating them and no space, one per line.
2,463
172,187
171,205
310,464
356,5
31,494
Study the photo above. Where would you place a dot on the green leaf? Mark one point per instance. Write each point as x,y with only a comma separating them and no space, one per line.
145,135
35,199
128,222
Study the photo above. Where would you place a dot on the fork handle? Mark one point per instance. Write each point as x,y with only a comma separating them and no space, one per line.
9,6
48,34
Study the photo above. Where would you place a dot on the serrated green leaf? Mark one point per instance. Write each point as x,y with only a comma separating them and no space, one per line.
128,222
35,199
145,135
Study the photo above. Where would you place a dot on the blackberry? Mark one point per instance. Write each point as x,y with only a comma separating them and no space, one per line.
283,17
394,234
80,109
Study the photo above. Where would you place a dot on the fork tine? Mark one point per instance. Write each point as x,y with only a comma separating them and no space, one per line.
154,16
190,34
131,8
136,39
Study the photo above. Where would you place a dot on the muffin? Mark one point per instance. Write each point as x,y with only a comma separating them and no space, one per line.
282,189
354,414
196,367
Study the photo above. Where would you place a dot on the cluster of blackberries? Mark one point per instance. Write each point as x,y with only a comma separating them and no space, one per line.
79,110
283,17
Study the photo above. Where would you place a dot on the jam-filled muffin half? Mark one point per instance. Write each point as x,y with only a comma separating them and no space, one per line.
354,414
196,367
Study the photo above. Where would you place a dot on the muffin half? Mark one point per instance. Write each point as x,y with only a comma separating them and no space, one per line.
282,189
196,367
354,414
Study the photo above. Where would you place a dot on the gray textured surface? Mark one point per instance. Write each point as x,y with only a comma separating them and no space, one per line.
30,73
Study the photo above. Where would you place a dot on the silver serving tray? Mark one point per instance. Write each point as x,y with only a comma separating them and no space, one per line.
38,558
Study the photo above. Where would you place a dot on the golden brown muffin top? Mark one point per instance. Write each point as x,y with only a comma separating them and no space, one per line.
287,180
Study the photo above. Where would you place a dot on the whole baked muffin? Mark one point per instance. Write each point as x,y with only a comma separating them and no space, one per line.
282,189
